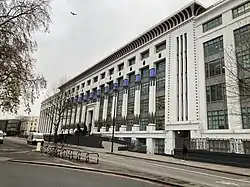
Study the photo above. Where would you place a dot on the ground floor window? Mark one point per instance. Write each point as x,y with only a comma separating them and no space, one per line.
217,119
160,122
159,146
219,145
143,124
245,114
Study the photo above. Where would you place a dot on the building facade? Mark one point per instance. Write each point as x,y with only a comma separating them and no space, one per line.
29,124
171,82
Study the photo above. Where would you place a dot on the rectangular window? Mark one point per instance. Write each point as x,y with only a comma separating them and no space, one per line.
212,23
111,71
131,92
144,106
160,84
160,122
145,73
103,75
89,82
131,78
217,119
73,90
161,67
245,114
131,61
143,124
213,46
241,10
95,79
160,47
242,39
130,108
215,92
78,87
144,88
160,103
145,54
121,67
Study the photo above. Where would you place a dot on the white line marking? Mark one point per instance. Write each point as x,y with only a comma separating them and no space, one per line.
227,183
196,172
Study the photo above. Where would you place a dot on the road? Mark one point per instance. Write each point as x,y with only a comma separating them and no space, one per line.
182,174
21,175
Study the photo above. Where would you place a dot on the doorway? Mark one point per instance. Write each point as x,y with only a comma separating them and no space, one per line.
182,137
90,120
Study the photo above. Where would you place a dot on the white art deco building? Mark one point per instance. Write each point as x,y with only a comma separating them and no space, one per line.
170,82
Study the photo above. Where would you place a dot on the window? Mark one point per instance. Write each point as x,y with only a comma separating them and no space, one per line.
240,10
219,145
111,71
160,122
120,82
145,73
212,23
143,124
215,92
144,106
160,84
130,108
214,68
121,67
78,87
160,103
73,90
160,67
130,123
217,119
245,114
145,54
160,47
213,46
242,39
131,92
131,61
103,75
83,85
95,79
89,82
131,78
144,88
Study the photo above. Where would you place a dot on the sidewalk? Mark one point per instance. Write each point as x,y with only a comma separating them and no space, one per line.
171,160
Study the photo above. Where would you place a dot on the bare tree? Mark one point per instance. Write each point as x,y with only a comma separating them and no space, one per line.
19,20
61,108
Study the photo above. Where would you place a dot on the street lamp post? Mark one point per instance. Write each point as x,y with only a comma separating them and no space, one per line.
113,129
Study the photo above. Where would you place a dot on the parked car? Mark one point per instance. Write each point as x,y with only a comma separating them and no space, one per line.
34,138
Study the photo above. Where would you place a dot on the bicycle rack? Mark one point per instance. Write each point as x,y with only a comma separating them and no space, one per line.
88,154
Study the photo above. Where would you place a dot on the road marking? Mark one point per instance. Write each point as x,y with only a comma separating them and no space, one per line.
3,159
196,172
227,183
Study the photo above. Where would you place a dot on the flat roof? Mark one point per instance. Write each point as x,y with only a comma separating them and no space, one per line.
192,9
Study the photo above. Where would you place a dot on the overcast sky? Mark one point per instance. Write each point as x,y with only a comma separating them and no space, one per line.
100,27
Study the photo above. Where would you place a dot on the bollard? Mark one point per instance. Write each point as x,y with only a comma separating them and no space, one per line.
38,147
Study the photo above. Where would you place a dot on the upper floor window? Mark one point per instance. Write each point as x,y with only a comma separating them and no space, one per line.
131,61
121,67
145,73
212,23
131,77
89,82
103,75
160,47
213,46
83,85
161,66
78,87
111,71
73,90
95,79
145,54
240,10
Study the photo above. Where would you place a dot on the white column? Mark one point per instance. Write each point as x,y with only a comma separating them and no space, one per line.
113,104
83,112
137,101
105,107
150,146
78,110
125,103
152,91
170,143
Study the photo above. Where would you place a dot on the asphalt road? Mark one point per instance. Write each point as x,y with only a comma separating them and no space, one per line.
182,174
22,175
